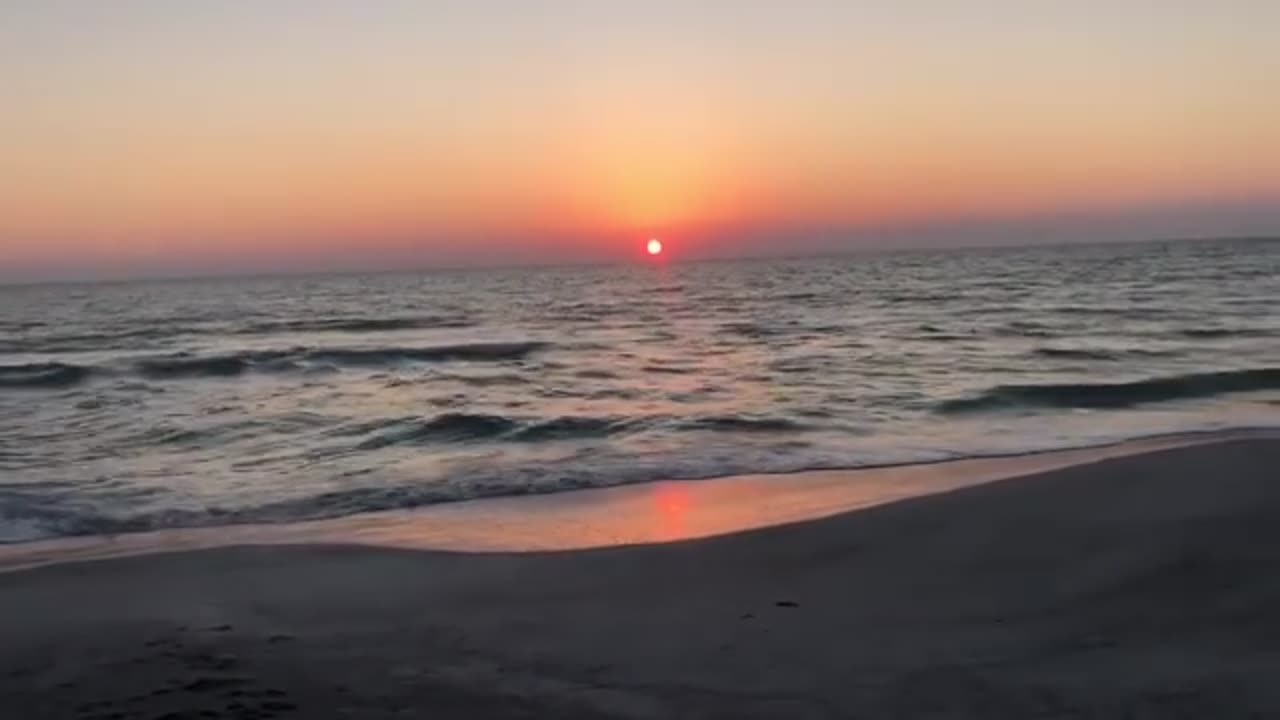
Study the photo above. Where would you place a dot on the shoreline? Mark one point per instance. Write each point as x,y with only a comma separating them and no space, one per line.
657,511
1134,586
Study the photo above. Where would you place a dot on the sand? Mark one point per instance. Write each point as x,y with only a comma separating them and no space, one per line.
1140,586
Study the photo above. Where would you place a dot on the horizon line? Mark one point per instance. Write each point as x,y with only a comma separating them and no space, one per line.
179,277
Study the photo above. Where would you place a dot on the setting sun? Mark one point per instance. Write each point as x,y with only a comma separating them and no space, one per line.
654,247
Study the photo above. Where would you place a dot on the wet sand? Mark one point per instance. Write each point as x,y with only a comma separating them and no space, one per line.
1138,586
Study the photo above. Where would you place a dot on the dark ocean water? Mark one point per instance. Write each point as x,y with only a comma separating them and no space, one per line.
156,404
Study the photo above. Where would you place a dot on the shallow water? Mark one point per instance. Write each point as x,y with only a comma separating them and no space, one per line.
158,404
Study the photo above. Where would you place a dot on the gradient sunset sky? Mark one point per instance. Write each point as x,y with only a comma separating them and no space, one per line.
172,136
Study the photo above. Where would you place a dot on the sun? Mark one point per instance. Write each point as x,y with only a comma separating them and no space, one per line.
654,247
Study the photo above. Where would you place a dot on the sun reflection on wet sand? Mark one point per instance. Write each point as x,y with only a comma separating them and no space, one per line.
627,515
672,503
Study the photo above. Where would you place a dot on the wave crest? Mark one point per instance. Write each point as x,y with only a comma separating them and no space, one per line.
42,375
1102,396
1217,333
449,427
194,366
181,366
744,423
356,325
464,427
494,351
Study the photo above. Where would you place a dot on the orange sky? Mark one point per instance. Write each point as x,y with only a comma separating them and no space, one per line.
151,132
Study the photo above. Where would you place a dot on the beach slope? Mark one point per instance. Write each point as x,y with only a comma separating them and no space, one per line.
1142,586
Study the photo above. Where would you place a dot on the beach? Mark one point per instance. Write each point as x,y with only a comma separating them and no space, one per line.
374,360
1127,586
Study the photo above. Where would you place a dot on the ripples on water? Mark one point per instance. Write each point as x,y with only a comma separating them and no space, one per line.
131,406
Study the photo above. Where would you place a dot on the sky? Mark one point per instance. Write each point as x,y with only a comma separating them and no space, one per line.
174,136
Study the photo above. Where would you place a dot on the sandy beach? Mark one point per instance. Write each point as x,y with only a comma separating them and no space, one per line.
1138,586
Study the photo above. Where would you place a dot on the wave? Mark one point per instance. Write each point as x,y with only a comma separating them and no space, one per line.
449,427
488,380
42,375
355,325
798,296
750,330
1219,333
464,427
454,427
1026,328
33,512
667,369
93,341
596,374
1092,354
495,351
1126,312
571,427
933,333
181,366
743,423
918,297
21,325
1075,354
1101,396
132,337
193,366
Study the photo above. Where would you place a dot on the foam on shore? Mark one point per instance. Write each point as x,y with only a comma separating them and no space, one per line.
626,515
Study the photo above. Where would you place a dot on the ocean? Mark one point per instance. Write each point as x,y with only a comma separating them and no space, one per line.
153,404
